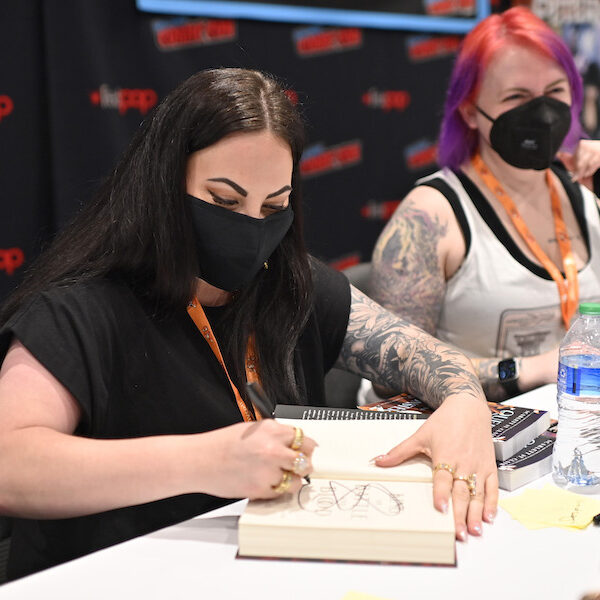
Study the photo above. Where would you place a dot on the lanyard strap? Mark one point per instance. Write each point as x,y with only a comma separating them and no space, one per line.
568,290
198,315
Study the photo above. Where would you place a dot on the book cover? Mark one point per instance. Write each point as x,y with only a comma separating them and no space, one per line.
529,463
353,510
514,426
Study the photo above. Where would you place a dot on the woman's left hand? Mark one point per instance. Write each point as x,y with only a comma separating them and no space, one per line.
457,435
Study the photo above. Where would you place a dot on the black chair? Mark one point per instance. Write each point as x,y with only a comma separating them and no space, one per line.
341,387
5,530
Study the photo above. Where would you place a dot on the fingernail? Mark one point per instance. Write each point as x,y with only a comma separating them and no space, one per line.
490,517
477,529
376,458
444,507
462,535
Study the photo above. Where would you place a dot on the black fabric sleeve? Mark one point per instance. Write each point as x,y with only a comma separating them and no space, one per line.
67,330
332,309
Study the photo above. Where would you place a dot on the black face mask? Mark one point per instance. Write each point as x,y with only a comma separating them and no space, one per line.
529,136
233,247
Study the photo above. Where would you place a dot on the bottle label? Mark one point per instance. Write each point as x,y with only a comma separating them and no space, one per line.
578,381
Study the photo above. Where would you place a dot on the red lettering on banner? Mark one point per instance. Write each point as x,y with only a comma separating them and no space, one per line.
331,40
6,106
143,100
292,96
447,7
379,210
332,158
434,47
422,158
196,32
11,259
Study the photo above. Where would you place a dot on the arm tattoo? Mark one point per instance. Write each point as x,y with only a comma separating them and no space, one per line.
487,371
399,356
407,278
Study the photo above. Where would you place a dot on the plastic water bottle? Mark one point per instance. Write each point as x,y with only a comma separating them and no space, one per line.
576,455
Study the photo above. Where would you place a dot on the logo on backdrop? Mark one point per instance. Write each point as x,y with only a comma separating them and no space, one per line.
11,259
177,33
379,210
464,8
123,99
386,99
424,47
315,41
318,159
420,154
292,96
343,262
6,106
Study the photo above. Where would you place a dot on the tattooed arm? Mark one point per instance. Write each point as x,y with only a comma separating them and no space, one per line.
401,357
418,251
380,346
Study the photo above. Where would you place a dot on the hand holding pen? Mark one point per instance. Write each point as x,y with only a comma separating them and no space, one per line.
261,402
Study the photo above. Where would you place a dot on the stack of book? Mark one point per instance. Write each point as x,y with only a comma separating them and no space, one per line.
523,437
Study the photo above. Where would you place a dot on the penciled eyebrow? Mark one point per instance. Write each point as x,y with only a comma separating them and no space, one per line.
240,190
285,188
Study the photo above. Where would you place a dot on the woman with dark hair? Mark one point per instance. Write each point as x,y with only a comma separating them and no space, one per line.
126,352
493,253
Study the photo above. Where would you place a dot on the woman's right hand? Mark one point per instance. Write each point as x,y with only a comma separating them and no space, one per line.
248,460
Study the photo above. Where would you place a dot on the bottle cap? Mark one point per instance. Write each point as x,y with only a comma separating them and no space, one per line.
589,308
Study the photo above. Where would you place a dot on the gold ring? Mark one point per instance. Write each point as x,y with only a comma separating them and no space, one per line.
443,467
300,463
470,480
298,439
284,484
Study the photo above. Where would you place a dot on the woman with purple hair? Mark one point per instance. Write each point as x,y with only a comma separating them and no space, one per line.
494,252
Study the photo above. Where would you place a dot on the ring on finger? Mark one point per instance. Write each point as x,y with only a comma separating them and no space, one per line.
300,463
444,467
471,481
284,484
298,439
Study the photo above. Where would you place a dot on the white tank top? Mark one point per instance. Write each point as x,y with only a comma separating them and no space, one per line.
498,303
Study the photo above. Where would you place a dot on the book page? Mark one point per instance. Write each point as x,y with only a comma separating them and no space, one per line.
366,505
346,447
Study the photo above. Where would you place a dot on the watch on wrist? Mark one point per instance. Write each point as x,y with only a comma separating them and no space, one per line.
508,375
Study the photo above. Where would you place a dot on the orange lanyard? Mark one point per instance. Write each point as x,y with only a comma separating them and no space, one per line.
198,315
568,290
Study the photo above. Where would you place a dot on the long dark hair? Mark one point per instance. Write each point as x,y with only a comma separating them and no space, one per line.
137,227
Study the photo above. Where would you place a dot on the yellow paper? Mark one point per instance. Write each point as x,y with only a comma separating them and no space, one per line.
552,507
360,596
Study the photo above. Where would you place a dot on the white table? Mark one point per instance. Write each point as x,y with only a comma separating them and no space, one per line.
196,559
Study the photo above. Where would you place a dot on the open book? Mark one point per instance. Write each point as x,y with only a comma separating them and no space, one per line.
354,510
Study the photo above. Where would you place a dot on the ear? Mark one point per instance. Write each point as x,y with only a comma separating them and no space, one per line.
469,114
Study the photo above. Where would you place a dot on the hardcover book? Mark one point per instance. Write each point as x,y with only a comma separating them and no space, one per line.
352,509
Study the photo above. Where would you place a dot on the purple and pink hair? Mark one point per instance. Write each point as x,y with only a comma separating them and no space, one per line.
517,26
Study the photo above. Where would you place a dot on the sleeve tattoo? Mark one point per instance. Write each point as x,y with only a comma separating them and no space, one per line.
401,357
407,276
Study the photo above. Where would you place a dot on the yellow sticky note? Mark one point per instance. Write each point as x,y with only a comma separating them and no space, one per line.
360,596
552,507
